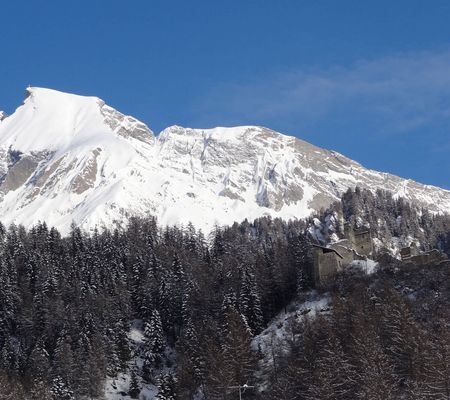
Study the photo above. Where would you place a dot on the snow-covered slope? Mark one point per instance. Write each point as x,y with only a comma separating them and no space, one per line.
67,158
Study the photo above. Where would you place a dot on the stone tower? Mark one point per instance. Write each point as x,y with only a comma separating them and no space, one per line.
360,239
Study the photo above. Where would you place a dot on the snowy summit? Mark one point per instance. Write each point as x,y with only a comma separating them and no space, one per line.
66,158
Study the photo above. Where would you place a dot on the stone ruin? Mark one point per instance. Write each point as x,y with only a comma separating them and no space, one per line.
329,260
411,255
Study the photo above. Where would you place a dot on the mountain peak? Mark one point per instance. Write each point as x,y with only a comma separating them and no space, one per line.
3,115
51,120
41,92
66,158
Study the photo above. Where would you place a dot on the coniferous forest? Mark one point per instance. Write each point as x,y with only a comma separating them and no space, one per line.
69,307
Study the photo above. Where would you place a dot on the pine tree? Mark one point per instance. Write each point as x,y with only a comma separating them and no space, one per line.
63,360
60,391
402,337
250,303
8,302
10,388
39,366
167,387
153,344
191,363
135,387
299,249
177,286
289,383
375,373
436,374
40,391
122,345
11,356
238,358
333,374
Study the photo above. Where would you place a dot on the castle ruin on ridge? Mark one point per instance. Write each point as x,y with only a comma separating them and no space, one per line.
328,261
411,255
332,259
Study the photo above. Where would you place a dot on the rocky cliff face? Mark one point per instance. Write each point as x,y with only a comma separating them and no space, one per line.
67,158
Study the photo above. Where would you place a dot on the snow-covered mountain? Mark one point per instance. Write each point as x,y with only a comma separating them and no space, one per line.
66,158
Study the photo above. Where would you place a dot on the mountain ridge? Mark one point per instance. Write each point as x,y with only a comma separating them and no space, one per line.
66,158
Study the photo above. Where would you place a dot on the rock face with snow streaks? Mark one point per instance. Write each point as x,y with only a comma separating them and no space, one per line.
66,158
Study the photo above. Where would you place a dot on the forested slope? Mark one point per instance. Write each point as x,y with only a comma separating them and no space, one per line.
69,307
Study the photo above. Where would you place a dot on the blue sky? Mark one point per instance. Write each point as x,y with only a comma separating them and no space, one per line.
370,79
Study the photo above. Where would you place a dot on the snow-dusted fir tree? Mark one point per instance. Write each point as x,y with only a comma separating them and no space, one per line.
63,361
60,389
167,387
250,302
239,359
135,386
153,344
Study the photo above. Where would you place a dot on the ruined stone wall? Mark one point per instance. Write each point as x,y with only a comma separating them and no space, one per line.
327,266
362,243
408,252
344,248
431,257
